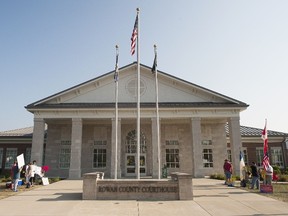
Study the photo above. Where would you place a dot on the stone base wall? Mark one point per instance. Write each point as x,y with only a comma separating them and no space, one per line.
177,188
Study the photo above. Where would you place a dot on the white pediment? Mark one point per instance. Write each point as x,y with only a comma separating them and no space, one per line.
102,90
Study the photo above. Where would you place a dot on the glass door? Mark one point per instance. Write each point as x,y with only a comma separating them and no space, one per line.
131,164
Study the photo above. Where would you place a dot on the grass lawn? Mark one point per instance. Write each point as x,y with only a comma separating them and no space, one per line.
6,192
280,191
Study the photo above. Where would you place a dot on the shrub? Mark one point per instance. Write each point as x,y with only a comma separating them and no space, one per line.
217,176
283,178
276,170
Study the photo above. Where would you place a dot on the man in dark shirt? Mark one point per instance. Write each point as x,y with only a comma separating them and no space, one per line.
255,176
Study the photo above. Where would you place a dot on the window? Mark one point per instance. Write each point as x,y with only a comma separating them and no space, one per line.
11,155
28,155
172,158
259,156
277,157
172,142
245,157
99,158
207,158
206,142
131,142
65,153
99,154
229,155
1,157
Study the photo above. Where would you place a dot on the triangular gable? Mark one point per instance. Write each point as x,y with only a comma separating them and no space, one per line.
172,90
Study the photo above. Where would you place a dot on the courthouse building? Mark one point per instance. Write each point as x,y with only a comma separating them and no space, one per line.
74,130
81,127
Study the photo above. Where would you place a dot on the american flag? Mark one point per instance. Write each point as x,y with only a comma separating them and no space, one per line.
134,36
265,160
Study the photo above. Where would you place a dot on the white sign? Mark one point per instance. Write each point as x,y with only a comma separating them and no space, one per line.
45,181
20,160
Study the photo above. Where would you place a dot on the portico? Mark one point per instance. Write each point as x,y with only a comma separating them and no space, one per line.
81,127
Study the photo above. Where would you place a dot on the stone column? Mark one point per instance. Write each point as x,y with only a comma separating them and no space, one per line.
38,141
235,143
76,144
155,159
114,155
196,147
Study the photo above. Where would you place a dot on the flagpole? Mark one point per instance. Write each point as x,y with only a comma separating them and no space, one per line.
138,99
157,113
116,111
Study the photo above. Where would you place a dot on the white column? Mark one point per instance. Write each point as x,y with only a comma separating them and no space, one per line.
38,141
76,144
235,143
115,155
196,147
155,156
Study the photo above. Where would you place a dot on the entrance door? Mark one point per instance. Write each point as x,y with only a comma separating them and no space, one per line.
131,164
131,156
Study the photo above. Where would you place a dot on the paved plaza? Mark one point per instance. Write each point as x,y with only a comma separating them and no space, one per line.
211,197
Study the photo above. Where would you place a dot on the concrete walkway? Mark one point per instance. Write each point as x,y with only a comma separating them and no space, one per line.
211,197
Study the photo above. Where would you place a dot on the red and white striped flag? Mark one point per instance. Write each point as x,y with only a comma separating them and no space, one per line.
265,138
134,36
265,160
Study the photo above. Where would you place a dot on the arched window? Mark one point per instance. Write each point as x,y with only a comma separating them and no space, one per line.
131,142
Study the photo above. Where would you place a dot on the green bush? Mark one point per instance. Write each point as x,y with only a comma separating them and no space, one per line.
276,170
283,178
55,179
217,176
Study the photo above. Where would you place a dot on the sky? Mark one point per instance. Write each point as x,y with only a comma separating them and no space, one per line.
236,48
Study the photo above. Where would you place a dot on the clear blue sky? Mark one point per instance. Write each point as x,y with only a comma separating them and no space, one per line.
236,48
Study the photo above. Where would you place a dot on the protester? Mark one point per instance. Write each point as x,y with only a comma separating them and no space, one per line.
255,176
228,169
268,175
15,176
28,174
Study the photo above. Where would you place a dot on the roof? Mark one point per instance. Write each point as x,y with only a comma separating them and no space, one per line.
245,132
134,105
21,132
256,132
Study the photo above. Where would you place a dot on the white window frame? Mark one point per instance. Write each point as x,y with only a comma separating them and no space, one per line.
172,155
11,156
1,157
277,157
207,157
259,156
99,150
65,154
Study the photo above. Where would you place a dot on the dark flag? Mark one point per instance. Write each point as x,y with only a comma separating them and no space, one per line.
134,36
154,67
116,74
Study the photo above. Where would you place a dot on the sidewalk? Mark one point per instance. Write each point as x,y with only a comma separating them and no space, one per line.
211,197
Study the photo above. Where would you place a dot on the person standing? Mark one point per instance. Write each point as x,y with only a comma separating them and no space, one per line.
255,176
228,169
268,175
15,176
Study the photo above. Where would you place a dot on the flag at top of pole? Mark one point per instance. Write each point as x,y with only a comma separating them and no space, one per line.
116,74
154,67
265,138
265,160
134,36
